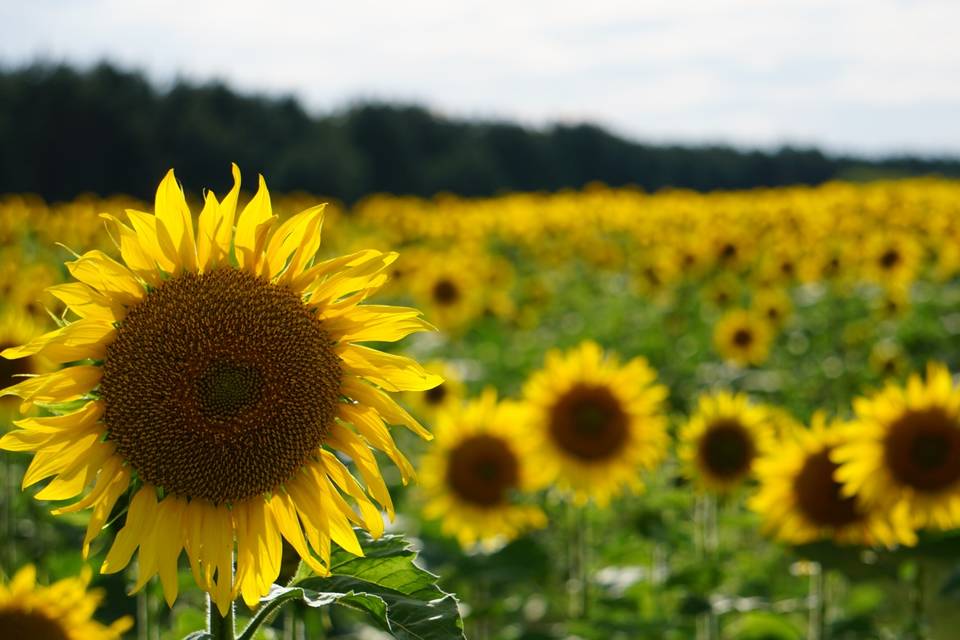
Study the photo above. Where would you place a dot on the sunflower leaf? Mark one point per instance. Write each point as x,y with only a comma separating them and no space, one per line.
398,596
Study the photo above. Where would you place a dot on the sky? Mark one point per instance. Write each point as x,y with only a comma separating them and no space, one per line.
860,76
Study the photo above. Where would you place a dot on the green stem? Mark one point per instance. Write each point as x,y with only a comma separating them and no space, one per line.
220,627
818,603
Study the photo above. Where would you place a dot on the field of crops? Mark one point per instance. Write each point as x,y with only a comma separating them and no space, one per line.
677,415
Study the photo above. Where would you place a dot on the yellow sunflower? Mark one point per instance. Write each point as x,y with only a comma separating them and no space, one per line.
773,304
743,337
721,441
62,611
904,452
596,423
213,372
801,500
474,473
451,288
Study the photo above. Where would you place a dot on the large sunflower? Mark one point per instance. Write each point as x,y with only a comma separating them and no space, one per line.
17,327
212,372
62,611
473,474
801,500
595,422
904,452
720,442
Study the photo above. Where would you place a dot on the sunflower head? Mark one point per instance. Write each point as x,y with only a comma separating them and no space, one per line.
213,372
721,441
905,450
475,475
801,500
743,337
62,611
596,421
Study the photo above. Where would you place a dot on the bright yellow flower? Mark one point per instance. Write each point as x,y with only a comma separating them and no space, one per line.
801,500
474,474
596,423
214,371
743,337
904,450
62,611
720,442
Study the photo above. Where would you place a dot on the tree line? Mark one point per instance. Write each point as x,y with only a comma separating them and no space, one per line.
107,130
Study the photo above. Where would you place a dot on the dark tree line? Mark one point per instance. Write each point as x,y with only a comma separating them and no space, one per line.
64,132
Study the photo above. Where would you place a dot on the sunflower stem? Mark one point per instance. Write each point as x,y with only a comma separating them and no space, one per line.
218,626
818,603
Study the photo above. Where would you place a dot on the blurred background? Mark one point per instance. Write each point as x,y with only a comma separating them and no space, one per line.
475,98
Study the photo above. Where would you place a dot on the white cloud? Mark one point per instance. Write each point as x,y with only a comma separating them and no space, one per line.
856,74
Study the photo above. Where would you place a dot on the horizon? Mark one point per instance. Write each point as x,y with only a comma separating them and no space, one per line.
875,83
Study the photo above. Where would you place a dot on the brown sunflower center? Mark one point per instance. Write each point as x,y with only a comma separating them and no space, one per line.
219,386
818,493
11,369
589,423
890,258
726,449
922,449
436,395
32,625
482,469
445,292
743,337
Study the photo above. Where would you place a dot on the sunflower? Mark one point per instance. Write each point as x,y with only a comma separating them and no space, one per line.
773,304
904,452
801,500
213,373
596,422
721,440
62,611
451,288
743,337
448,394
473,475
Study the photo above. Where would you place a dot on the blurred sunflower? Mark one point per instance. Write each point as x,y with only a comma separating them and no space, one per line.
721,440
891,258
904,452
743,337
596,423
773,304
474,473
801,500
451,289
62,611
212,374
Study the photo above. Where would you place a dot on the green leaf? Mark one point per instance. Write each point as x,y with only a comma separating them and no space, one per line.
397,595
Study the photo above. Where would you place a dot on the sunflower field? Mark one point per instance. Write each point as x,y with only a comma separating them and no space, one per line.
594,414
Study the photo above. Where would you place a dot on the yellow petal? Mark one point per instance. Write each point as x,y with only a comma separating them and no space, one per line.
60,386
390,371
77,341
175,223
107,276
140,520
294,242
87,303
138,259
253,228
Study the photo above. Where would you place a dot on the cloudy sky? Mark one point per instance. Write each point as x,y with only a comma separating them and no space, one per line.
873,76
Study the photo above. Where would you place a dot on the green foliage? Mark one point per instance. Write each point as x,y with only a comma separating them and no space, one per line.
105,130
397,596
